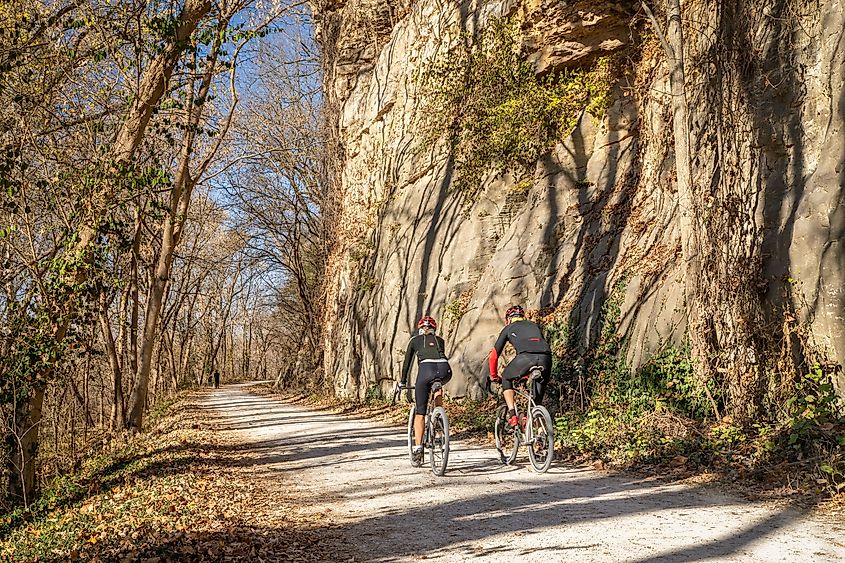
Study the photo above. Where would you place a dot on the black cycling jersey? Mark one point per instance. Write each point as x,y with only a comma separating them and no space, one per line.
524,336
424,347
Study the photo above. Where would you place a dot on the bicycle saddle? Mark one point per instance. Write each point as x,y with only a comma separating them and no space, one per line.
534,372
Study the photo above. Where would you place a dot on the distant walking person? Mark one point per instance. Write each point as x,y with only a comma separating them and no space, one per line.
216,379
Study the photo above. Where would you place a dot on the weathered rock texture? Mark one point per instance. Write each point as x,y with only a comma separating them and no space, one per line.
767,108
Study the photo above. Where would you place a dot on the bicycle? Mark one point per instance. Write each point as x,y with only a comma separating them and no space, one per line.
435,430
538,435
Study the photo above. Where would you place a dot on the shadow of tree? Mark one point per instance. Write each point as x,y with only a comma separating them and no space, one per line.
480,509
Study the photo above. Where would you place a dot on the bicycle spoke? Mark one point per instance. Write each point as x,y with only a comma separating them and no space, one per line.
541,448
439,442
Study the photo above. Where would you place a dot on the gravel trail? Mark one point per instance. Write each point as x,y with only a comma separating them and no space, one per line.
354,475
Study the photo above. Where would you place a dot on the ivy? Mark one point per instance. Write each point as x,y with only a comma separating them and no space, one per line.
68,282
496,112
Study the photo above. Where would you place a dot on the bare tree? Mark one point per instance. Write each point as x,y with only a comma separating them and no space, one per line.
278,191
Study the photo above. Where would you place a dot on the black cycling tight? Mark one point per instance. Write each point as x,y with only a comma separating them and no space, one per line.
427,373
520,365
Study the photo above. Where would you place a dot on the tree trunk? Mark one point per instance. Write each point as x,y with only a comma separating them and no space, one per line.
27,419
169,339
673,45
118,407
689,223
171,233
102,418
135,297
138,398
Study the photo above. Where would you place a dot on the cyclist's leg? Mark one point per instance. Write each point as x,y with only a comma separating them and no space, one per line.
419,428
540,385
425,375
509,393
513,371
444,374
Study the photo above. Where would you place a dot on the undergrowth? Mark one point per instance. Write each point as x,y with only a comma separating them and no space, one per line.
180,492
63,521
661,414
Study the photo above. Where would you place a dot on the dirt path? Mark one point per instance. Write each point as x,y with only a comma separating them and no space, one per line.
355,477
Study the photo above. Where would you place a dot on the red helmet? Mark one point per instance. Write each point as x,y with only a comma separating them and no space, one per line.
427,321
514,311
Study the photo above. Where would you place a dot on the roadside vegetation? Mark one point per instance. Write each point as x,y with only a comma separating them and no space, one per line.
495,113
662,416
178,492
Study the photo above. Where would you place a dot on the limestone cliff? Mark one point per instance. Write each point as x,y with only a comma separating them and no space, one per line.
599,218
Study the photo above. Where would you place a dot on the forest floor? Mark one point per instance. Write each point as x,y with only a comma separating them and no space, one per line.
235,475
186,490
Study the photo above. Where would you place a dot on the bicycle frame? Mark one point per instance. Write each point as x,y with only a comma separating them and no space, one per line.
540,443
526,391
431,422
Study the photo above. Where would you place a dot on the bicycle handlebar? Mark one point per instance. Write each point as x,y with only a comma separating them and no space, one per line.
398,391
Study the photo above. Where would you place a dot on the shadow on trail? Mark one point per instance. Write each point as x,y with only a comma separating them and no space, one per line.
498,515
506,503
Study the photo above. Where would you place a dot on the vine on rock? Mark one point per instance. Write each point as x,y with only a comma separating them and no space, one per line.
496,112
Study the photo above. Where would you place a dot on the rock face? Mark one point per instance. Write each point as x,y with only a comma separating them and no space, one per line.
599,219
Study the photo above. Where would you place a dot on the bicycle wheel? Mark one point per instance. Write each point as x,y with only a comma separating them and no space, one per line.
439,441
411,436
507,438
541,450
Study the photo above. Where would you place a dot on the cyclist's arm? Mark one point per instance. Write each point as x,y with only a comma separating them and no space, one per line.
442,347
493,363
409,359
496,351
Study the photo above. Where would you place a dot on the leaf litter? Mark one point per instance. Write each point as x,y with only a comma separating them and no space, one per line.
181,492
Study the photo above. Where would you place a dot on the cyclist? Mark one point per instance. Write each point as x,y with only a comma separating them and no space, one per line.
432,364
531,350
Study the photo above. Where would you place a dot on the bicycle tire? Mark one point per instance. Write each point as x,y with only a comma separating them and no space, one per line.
411,414
541,449
507,439
439,441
